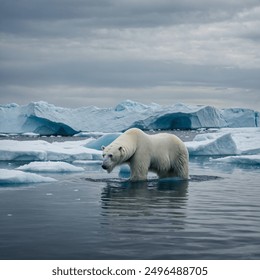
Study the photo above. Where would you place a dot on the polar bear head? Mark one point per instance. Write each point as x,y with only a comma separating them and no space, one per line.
113,155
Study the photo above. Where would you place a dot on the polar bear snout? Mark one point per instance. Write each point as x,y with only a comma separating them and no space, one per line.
104,166
107,164
108,168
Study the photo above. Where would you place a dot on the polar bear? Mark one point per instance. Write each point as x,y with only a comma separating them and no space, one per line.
163,153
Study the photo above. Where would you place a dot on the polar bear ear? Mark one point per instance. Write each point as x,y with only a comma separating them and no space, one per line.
103,148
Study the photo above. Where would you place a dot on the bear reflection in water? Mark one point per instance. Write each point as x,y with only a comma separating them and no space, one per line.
159,205
148,198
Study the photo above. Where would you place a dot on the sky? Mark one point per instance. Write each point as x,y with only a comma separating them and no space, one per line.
100,52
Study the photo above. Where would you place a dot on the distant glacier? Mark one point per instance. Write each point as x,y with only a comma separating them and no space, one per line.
46,119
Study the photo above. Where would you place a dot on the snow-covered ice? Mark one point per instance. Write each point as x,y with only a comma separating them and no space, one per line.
222,145
43,157
242,145
50,166
40,150
246,140
244,159
46,119
19,177
239,117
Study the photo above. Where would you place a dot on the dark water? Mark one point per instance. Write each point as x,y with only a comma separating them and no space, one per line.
214,215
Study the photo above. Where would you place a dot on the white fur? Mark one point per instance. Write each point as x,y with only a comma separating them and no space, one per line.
164,154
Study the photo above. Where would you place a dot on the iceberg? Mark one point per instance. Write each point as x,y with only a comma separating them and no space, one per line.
46,119
50,166
38,117
132,106
226,141
222,145
239,117
19,177
183,117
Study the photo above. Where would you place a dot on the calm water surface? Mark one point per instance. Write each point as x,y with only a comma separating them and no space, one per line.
215,215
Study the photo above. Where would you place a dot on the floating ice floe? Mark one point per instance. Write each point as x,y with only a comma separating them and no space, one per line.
50,166
19,177
246,159
232,141
226,141
40,150
222,145
46,119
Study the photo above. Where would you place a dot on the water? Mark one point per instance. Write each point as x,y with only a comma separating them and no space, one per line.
214,215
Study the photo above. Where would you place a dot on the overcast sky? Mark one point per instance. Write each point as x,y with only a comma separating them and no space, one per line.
99,52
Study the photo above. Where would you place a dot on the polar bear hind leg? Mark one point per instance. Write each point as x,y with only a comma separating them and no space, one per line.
180,167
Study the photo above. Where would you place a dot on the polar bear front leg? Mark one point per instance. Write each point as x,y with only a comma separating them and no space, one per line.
139,169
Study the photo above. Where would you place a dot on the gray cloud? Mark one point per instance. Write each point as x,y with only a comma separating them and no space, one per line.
80,52
30,16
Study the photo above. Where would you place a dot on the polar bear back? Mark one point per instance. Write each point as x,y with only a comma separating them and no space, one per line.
154,142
